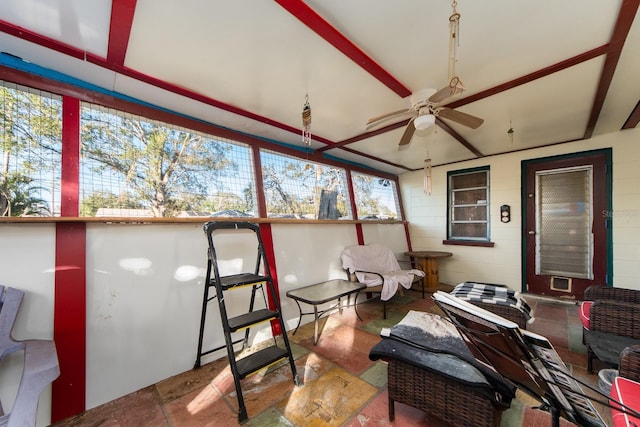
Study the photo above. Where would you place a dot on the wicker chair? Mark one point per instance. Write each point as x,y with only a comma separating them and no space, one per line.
600,292
630,363
438,395
430,368
613,326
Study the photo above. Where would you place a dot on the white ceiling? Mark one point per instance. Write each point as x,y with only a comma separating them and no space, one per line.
249,65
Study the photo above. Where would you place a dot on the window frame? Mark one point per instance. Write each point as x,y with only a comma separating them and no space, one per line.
468,240
80,91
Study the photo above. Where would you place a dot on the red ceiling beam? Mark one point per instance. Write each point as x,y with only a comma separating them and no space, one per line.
575,60
377,159
122,12
626,15
362,136
543,72
324,29
458,138
633,119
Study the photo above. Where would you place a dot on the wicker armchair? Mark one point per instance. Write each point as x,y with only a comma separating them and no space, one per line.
613,326
630,363
599,292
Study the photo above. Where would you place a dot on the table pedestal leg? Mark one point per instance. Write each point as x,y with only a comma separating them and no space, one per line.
431,279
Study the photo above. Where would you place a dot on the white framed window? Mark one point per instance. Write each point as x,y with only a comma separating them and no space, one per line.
468,202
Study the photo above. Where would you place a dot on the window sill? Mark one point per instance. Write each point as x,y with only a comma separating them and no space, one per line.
484,244
196,220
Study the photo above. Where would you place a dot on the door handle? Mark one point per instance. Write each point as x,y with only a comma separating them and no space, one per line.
531,232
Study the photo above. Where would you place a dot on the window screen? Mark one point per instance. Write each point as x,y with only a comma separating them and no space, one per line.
469,205
376,197
30,151
297,188
132,166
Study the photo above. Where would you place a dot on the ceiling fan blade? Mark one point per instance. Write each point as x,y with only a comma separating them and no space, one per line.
378,120
408,134
442,94
455,87
464,119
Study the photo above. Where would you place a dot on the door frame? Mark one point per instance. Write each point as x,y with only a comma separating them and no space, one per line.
607,152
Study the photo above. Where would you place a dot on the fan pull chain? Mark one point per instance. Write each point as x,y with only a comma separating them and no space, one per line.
306,122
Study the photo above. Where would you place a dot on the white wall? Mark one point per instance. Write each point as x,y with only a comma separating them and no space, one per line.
502,263
145,287
27,262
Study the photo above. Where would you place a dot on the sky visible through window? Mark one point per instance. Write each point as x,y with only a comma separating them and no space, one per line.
134,166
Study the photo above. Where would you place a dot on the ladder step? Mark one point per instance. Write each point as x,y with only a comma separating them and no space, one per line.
260,359
236,280
250,319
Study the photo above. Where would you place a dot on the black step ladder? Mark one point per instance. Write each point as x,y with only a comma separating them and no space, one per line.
243,367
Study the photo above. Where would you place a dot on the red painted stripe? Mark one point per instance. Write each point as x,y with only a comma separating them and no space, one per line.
69,312
324,29
261,198
30,36
122,12
69,321
267,241
354,208
70,157
360,234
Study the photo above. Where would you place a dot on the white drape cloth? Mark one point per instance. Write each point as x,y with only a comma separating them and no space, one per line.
379,259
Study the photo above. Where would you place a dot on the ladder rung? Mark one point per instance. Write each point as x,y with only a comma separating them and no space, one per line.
260,359
249,319
242,279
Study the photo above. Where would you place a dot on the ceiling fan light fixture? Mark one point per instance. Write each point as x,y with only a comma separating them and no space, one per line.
424,122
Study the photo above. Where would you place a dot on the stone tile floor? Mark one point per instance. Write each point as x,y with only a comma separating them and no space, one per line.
342,387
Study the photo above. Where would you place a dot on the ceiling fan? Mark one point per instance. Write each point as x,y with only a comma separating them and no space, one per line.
424,110
425,103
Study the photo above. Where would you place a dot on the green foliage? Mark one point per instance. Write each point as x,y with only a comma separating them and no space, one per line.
30,145
166,169
18,197
90,205
294,187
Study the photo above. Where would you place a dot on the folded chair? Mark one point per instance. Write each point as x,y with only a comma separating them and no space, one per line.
497,299
40,363
376,266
